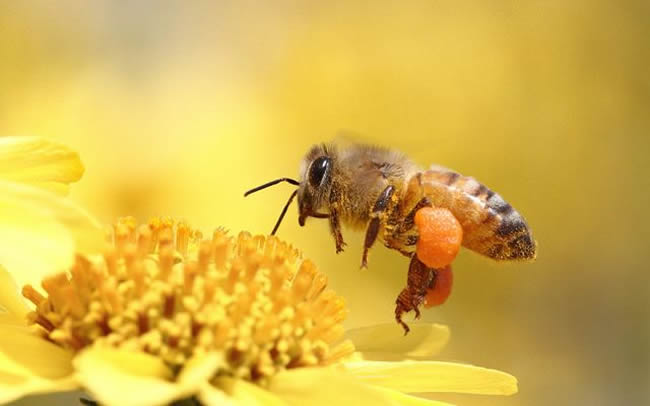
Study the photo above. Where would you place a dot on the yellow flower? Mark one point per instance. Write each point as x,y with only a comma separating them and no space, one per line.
39,162
34,218
167,315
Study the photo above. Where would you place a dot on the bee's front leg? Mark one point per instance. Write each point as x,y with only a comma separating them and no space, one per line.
335,228
335,222
375,218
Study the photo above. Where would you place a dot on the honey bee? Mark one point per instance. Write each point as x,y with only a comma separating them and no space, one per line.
379,190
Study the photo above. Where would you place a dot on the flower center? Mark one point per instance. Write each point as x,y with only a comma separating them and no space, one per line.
165,290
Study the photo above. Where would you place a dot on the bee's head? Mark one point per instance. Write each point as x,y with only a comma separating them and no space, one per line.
314,185
315,182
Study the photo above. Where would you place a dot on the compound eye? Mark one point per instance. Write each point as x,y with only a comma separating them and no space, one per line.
318,169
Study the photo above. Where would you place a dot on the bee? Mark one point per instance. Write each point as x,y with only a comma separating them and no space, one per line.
379,190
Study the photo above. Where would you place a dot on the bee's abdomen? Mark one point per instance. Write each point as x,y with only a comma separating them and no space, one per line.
491,226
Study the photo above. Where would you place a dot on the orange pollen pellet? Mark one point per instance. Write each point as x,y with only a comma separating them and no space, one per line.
441,288
440,236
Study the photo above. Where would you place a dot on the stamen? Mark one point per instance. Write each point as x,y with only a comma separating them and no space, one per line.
161,289
182,238
33,295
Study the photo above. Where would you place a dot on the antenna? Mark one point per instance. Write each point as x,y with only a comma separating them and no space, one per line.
271,183
286,206
284,211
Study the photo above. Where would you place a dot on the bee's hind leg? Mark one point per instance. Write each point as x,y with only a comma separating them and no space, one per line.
420,279
409,220
375,218
404,236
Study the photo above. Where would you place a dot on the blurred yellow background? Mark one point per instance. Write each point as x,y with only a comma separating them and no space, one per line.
178,108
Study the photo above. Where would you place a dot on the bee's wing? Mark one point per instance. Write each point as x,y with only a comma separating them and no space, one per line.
439,168
345,138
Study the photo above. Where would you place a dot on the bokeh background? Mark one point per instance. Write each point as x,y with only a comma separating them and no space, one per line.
178,108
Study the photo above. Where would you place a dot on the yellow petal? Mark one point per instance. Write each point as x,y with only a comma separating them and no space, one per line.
39,232
433,376
131,363
24,354
10,299
211,396
84,227
408,400
32,245
125,378
243,393
200,369
387,341
324,387
11,320
13,387
39,161
60,189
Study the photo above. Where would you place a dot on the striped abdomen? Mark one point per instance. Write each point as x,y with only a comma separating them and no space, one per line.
491,226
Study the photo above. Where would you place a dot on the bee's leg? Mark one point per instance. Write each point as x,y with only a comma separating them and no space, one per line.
335,228
409,219
396,245
335,223
375,218
420,279
403,237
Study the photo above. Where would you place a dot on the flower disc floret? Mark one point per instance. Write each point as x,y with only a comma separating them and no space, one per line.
164,289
